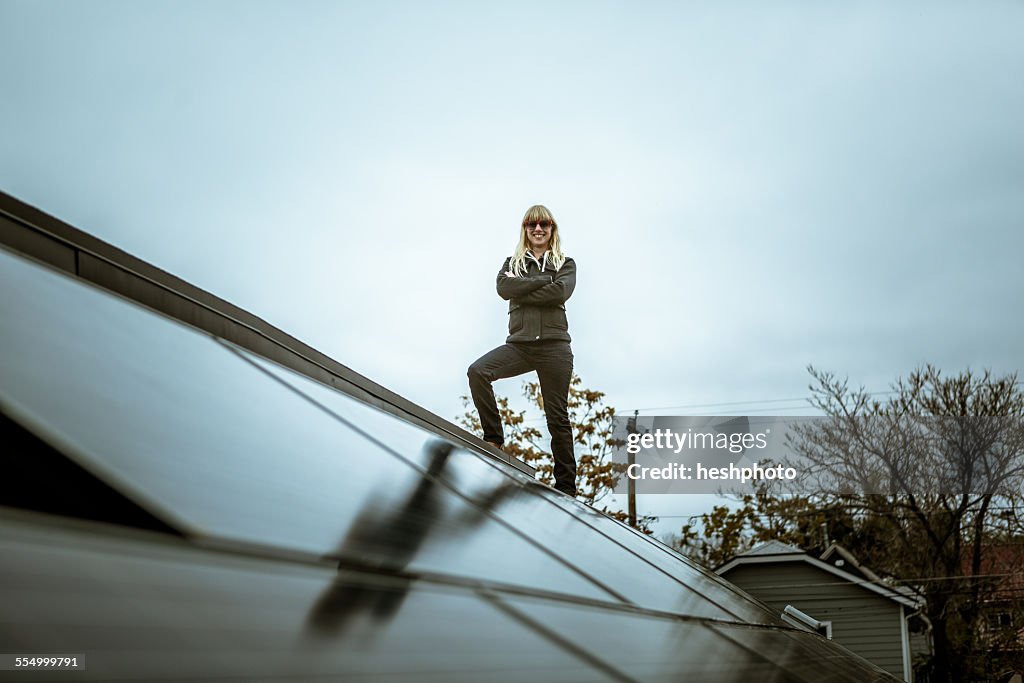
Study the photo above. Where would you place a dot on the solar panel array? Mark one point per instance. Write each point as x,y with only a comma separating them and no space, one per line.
259,525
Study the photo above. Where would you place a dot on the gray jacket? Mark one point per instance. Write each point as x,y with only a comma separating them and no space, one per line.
536,301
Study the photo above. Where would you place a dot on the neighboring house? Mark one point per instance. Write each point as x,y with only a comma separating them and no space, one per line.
1000,578
866,616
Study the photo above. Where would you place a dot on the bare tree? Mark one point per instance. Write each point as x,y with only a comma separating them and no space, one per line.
931,469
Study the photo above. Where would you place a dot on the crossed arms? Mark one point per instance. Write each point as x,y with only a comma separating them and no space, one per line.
538,290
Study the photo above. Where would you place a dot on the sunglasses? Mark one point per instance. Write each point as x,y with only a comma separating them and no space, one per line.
543,224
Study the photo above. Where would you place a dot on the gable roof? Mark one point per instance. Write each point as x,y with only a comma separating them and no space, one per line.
775,551
772,548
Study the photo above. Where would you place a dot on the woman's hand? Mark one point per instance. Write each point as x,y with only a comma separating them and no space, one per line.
509,273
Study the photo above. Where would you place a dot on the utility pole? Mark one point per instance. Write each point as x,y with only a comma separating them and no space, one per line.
630,482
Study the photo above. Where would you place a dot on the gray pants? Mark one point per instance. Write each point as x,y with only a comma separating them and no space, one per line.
553,362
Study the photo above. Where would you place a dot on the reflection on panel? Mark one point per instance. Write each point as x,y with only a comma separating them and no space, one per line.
548,517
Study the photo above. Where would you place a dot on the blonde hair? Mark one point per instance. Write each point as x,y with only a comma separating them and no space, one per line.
536,213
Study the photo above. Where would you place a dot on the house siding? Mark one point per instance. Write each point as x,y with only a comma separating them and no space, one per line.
862,621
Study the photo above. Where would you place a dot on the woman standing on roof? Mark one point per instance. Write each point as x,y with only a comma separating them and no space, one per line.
536,281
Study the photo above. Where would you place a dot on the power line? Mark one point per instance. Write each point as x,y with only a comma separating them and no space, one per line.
726,403
761,401
802,405
755,402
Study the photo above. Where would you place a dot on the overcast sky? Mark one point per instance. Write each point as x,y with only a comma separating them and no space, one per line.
746,190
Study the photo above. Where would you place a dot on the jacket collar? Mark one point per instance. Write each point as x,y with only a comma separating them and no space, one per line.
544,259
